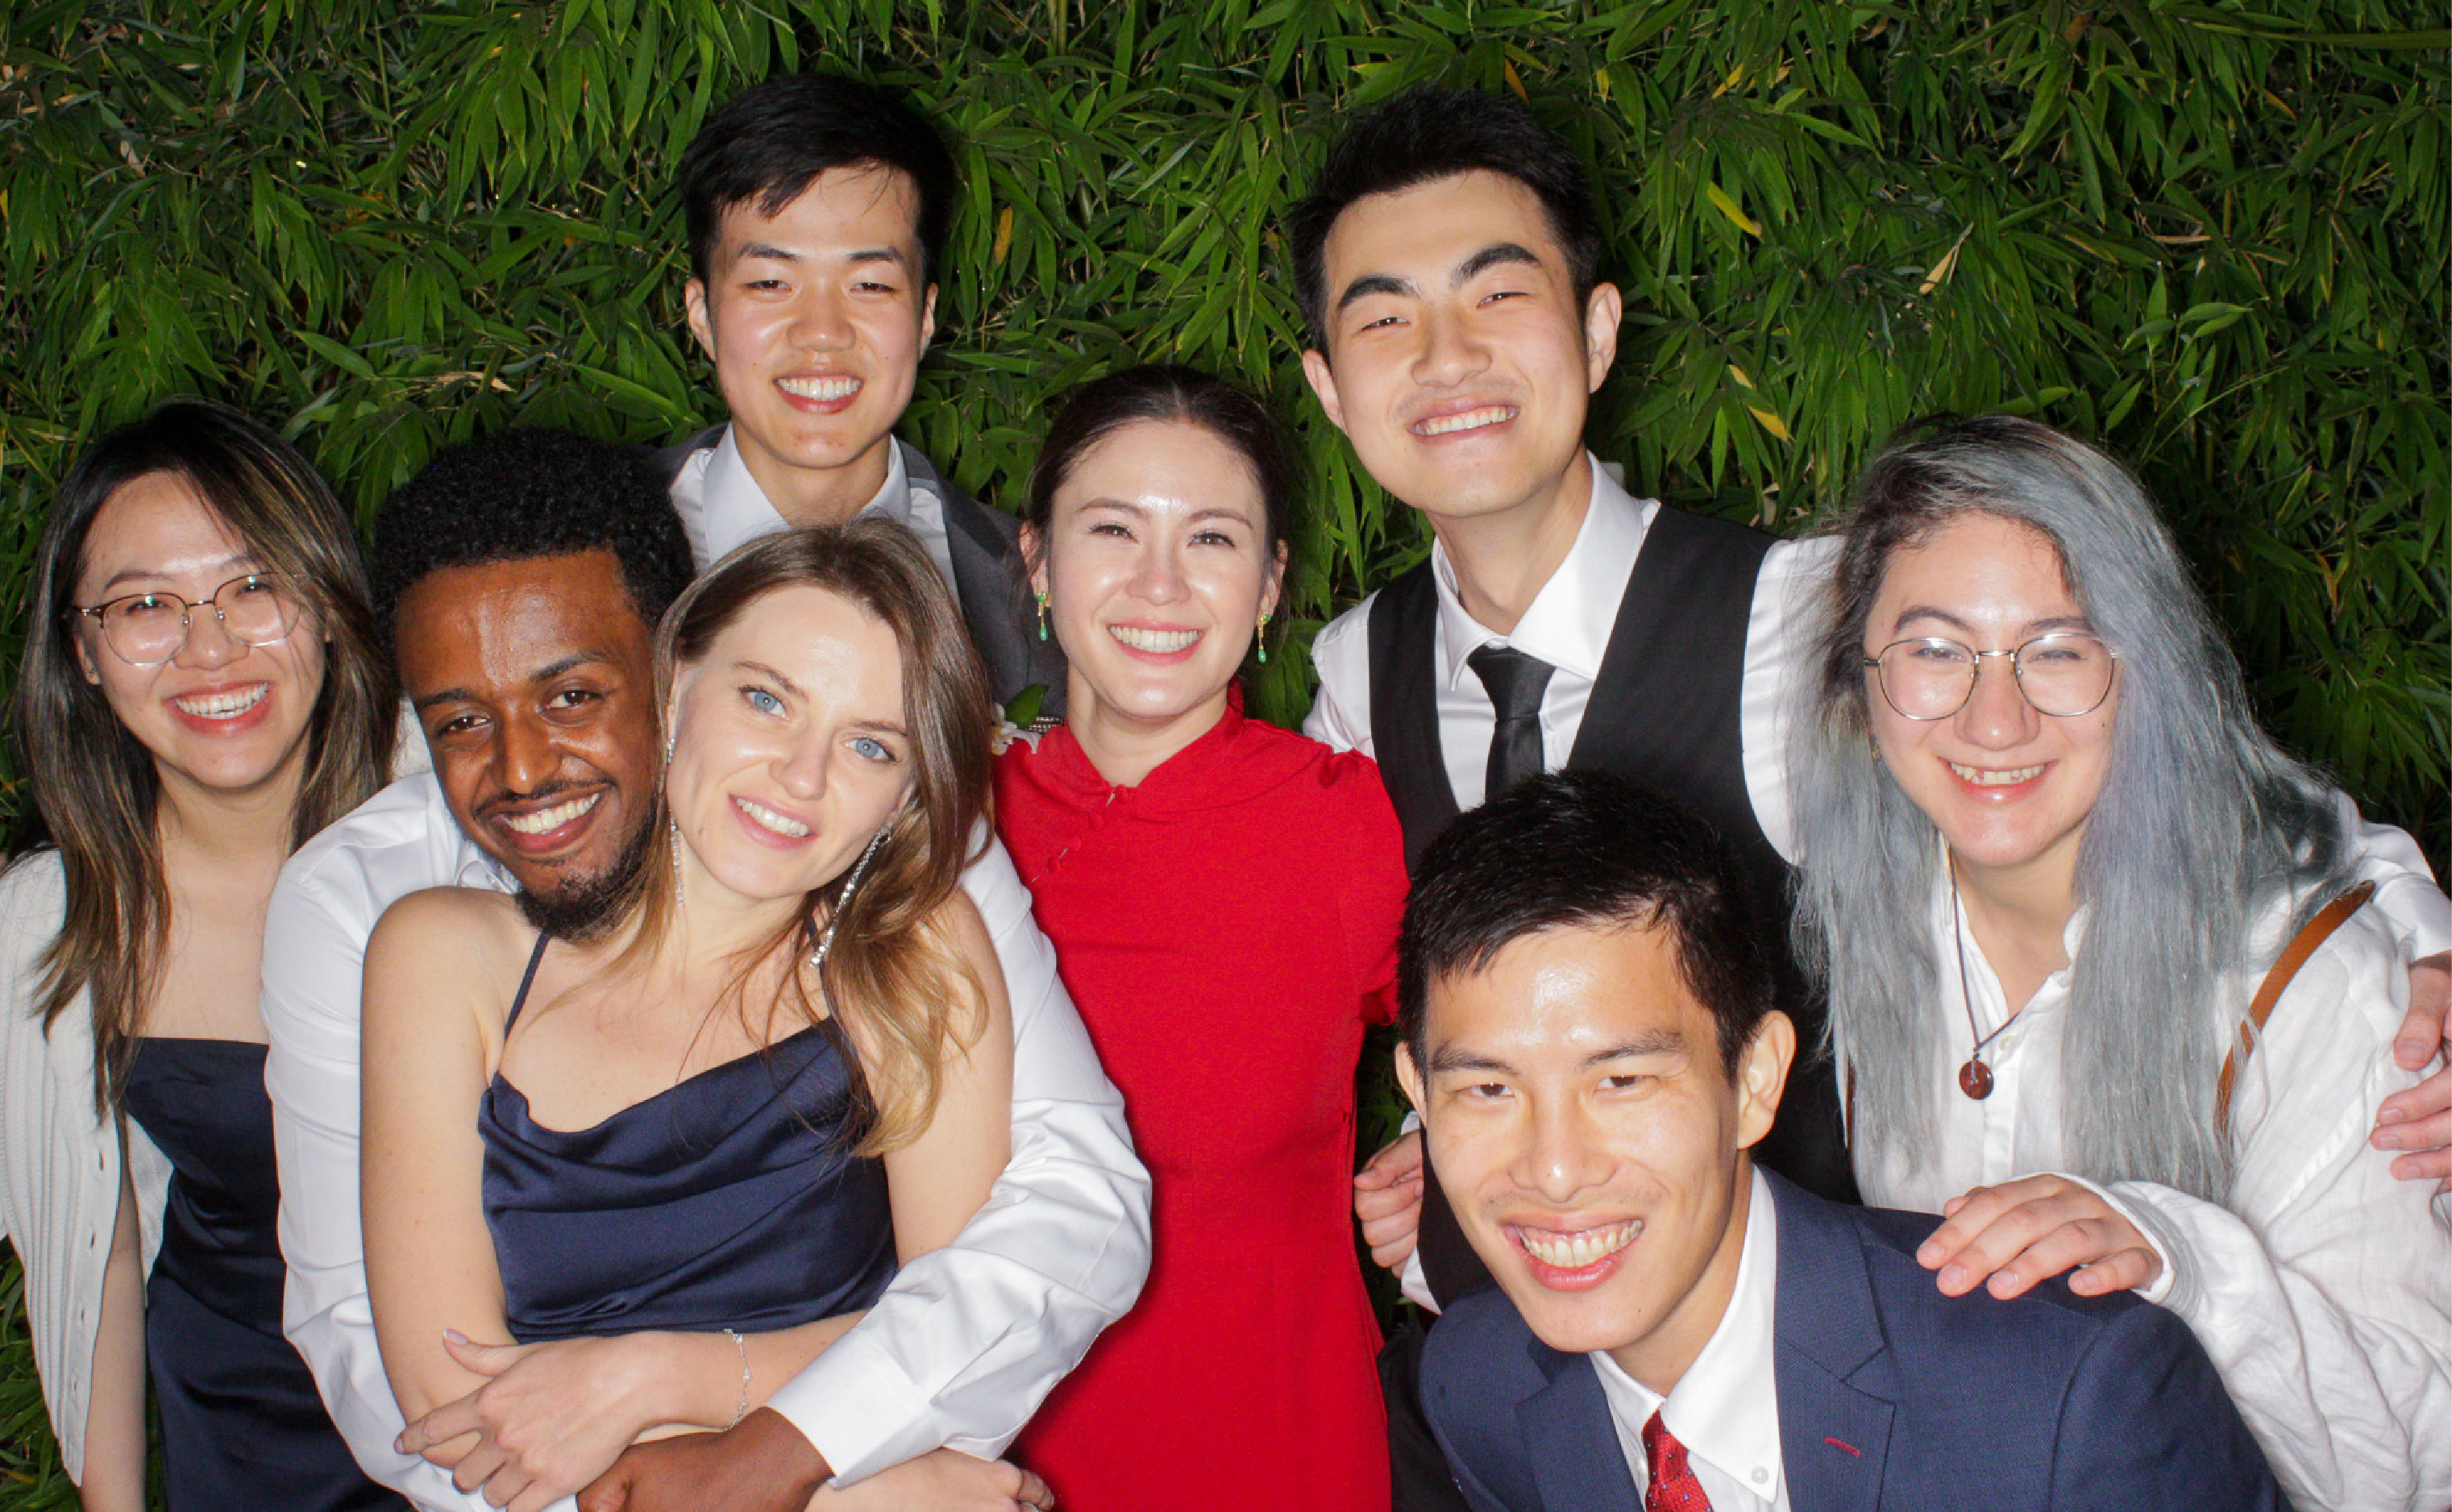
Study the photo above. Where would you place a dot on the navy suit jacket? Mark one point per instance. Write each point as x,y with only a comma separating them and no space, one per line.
1890,1394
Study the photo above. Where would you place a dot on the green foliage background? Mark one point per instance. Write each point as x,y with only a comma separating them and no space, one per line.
2213,236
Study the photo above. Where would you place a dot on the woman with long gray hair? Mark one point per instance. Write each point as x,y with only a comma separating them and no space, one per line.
2050,862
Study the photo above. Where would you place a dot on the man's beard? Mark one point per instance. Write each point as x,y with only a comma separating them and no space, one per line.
583,910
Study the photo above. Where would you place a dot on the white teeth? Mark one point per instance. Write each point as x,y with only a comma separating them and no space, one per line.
1987,777
1160,640
773,821
223,705
820,388
1576,1250
1469,419
545,821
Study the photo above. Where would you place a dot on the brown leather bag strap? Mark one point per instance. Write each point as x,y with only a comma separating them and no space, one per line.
2320,929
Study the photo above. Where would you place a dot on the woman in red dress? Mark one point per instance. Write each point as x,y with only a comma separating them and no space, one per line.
1223,896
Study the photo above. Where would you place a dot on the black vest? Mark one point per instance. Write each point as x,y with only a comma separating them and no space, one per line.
1664,712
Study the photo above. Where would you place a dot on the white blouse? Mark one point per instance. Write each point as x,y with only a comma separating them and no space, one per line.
2323,1291
59,1159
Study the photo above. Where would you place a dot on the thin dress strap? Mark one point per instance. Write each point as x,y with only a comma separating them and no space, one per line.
535,958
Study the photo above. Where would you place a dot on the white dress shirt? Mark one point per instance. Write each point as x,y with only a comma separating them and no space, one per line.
959,1352
722,508
1725,1409
1568,625
2323,1290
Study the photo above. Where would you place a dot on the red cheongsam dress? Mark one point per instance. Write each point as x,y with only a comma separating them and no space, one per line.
1227,928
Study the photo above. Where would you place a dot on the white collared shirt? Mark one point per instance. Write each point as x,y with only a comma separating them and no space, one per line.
1568,625
2323,1290
722,508
959,1351
1725,1409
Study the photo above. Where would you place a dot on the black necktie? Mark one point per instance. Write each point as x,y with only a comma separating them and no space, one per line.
1516,683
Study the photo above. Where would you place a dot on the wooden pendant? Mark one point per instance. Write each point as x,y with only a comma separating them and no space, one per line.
1975,1080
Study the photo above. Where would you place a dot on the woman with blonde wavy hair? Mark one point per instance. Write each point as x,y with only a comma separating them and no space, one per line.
676,1158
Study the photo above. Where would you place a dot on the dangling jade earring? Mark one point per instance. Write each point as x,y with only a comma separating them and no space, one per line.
826,941
1042,616
1261,638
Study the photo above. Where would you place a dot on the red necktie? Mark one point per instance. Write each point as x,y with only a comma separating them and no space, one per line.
1673,1487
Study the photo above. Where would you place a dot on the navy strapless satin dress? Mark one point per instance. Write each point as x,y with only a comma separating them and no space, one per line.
241,1427
732,1200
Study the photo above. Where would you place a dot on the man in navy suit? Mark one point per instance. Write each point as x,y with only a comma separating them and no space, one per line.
1590,1042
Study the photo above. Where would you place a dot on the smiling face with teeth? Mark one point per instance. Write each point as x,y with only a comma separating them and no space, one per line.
816,318
789,747
1459,361
1155,571
2008,788
220,716
1591,1140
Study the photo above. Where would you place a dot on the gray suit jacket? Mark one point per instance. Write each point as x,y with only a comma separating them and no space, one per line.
990,582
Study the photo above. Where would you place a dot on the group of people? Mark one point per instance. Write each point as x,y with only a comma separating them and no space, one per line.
710,1062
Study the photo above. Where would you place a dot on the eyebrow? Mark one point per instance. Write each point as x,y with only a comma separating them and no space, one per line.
1654,1042
1496,254
2034,627
769,252
135,574
545,673
1133,507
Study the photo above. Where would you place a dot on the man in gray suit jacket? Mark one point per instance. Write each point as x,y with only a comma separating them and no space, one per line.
816,209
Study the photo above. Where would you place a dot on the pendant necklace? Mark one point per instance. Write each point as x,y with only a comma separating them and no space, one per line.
1974,1078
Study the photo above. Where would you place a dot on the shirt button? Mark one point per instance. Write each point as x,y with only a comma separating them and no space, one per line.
1761,1475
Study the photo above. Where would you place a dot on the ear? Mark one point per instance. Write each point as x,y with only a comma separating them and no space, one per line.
1273,585
1603,313
84,656
1323,382
1409,1075
1033,555
694,300
1762,1074
928,317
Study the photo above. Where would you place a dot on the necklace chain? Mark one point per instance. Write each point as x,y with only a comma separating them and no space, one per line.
1974,1078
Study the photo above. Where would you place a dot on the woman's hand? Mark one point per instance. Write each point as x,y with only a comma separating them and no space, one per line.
945,1480
552,1418
1387,1200
2031,1229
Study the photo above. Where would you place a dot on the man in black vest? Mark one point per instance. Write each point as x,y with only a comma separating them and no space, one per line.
816,209
1447,259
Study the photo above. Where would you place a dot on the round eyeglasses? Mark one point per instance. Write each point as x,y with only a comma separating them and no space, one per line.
147,629
2064,673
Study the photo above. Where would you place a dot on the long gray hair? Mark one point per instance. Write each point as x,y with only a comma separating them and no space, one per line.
2202,821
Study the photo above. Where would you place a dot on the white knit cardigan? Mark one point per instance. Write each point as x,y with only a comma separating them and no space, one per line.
59,1161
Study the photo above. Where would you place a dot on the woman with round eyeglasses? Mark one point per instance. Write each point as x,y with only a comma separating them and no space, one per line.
2101,988
200,694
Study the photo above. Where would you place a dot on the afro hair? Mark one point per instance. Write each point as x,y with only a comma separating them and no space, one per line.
526,493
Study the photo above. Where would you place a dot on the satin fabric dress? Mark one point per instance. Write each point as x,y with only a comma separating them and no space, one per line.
243,1429
730,1200
1227,928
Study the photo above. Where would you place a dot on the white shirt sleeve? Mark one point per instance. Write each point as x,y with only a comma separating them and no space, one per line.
969,1338
2323,1291
314,957
1340,713
2407,896
1778,670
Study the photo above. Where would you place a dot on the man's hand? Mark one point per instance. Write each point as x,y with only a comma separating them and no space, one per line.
2418,1120
759,1464
1387,1200
2031,1229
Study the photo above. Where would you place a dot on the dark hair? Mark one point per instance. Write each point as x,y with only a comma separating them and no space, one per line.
771,141
526,493
891,975
1102,406
1425,134
94,783
1583,850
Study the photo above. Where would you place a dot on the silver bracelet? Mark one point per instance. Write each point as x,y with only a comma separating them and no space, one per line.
740,1408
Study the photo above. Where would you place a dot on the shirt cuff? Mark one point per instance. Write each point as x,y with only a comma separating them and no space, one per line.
2175,1282
856,1407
